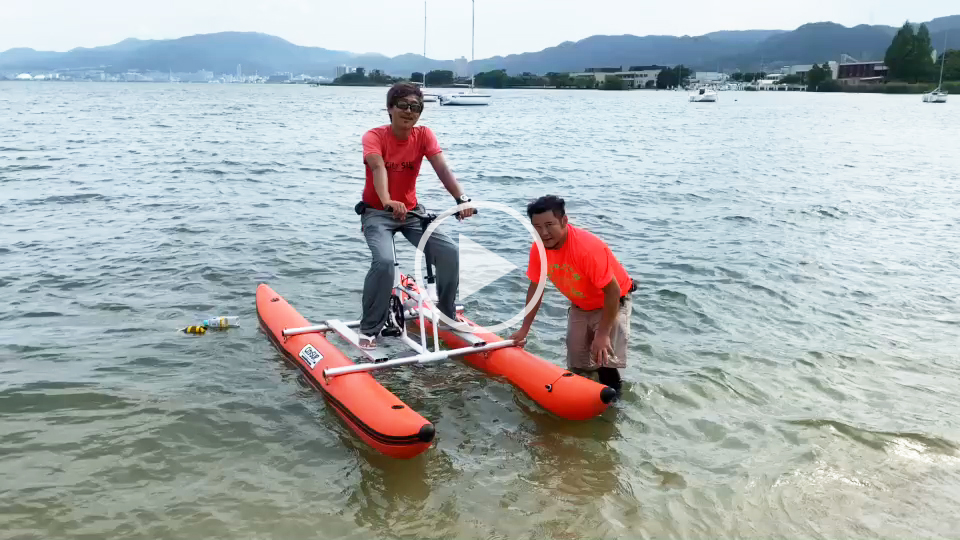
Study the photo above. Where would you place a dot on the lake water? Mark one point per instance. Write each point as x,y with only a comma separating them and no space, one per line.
793,366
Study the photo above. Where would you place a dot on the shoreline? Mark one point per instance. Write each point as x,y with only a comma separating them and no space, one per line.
891,88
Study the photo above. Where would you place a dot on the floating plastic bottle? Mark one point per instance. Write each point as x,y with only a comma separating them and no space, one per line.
218,323
195,330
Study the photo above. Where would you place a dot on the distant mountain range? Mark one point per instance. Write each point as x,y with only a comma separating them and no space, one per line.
727,50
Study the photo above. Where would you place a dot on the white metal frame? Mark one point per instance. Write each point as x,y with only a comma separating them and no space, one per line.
425,307
425,358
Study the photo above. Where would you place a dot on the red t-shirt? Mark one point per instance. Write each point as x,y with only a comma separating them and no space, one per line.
580,269
402,159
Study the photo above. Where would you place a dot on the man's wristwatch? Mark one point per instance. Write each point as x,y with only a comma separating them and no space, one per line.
463,199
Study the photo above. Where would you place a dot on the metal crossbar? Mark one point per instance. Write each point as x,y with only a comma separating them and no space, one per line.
425,358
423,310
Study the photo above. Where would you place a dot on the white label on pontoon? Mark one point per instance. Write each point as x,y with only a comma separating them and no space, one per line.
310,355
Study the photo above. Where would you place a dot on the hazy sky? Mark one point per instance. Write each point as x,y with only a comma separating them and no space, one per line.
394,27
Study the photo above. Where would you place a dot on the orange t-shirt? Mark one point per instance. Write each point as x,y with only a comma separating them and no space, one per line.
402,159
581,268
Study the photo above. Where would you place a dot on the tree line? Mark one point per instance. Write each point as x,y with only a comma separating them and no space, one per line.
910,57
499,78
360,77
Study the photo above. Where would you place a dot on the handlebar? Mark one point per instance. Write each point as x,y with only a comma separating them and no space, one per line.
429,216
414,213
361,206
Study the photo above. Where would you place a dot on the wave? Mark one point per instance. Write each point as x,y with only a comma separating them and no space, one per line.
878,439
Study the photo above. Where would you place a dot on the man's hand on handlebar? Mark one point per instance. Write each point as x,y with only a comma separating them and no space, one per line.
429,217
466,212
398,208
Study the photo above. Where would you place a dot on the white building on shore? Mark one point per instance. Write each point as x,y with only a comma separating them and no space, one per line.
802,69
708,78
635,76
462,67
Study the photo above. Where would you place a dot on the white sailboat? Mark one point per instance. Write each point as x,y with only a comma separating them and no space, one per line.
427,97
470,96
938,95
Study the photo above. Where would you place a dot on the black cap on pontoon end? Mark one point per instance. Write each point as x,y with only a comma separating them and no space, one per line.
607,394
426,433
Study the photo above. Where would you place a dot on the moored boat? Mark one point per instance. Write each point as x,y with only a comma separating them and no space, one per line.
469,96
704,95
939,95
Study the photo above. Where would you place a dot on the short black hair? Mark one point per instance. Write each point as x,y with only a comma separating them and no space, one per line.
402,90
547,203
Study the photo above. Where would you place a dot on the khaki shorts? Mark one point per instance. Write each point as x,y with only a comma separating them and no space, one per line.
581,327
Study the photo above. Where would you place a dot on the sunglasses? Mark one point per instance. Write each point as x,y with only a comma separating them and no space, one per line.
404,105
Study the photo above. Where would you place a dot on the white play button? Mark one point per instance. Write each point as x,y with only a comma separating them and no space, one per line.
479,267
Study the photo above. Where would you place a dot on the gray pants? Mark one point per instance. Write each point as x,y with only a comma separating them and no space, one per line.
378,228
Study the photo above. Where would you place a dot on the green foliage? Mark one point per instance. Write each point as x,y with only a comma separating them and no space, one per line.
736,77
792,79
952,87
898,54
528,79
820,79
585,82
492,79
910,55
899,88
351,79
815,77
830,85
559,80
498,78
416,76
922,55
360,78
951,69
564,80
612,82
439,77
669,78
378,77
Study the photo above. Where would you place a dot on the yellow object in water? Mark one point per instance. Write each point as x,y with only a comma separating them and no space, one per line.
195,330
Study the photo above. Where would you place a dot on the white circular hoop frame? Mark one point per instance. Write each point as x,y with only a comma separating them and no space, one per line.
516,215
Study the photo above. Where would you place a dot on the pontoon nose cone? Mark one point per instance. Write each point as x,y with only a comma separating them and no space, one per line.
427,432
606,395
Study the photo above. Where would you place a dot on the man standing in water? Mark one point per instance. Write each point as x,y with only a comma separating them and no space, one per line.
584,269
393,154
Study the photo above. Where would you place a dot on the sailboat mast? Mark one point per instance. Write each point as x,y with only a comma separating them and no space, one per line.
943,59
425,43
473,29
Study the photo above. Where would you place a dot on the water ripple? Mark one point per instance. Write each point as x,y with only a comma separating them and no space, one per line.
792,361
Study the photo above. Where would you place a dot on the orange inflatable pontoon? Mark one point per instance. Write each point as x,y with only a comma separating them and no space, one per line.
554,388
370,410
